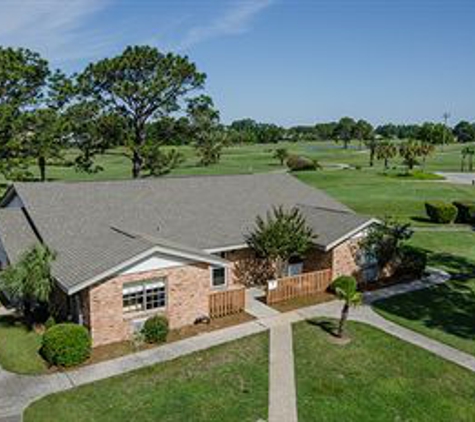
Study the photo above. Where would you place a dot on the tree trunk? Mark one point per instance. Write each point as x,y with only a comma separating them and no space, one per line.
137,159
42,167
371,157
344,316
137,163
386,163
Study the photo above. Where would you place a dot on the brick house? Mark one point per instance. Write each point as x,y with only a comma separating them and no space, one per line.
129,249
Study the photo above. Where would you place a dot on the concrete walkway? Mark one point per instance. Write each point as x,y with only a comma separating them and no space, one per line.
256,307
17,391
282,393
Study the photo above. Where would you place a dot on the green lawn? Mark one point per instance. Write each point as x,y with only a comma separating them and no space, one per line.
376,378
445,313
19,347
225,383
370,192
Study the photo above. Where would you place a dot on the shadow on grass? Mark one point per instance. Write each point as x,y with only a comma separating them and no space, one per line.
449,307
329,327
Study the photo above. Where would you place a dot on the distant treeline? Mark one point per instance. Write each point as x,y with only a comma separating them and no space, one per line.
140,100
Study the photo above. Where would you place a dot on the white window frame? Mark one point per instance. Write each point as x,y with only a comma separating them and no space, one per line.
144,284
220,286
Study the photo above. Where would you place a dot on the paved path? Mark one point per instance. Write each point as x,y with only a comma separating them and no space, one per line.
18,391
457,177
282,393
256,307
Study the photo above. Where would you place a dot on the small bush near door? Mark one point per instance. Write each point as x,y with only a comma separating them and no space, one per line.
155,329
413,261
441,212
66,345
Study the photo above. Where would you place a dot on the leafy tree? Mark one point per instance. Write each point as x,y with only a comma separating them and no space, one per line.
344,131
436,134
30,279
282,235
43,132
281,154
169,131
363,131
387,131
325,131
209,137
385,241
467,153
23,76
140,85
92,132
385,151
464,132
346,289
159,162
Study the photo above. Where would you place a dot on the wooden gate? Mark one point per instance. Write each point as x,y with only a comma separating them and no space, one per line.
305,284
227,302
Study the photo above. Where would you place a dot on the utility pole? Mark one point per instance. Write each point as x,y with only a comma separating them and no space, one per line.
446,117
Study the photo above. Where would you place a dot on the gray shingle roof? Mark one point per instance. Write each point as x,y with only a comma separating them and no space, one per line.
95,226
16,234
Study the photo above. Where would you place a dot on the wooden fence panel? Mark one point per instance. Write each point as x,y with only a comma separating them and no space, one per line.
305,284
227,302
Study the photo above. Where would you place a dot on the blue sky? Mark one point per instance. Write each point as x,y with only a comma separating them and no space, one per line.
283,61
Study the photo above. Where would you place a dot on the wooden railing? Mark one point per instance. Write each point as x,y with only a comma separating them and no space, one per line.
227,302
305,284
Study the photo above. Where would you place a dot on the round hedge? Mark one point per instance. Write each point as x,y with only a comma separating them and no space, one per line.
466,212
441,212
66,344
155,329
299,163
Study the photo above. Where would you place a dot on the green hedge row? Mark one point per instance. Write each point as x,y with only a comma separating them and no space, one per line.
446,212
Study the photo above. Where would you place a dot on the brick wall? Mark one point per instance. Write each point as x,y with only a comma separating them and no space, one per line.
344,259
187,299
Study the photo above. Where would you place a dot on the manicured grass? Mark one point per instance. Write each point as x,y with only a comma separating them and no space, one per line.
376,378
19,347
225,383
369,192
445,313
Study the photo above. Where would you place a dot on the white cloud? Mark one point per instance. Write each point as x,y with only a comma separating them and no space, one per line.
53,27
236,20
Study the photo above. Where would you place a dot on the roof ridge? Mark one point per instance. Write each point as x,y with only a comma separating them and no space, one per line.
326,209
146,179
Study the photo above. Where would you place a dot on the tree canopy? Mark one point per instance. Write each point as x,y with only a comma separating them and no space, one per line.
141,84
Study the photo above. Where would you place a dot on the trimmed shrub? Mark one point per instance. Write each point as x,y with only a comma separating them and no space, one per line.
66,345
413,261
466,212
299,163
441,212
155,329
50,322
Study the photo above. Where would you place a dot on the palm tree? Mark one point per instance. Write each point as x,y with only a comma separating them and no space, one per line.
425,150
385,151
30,279
469,152
346,290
